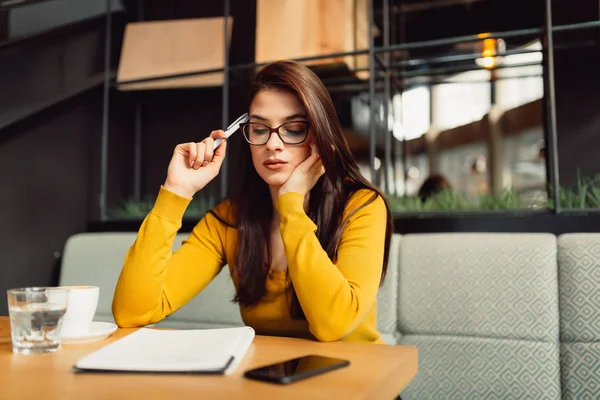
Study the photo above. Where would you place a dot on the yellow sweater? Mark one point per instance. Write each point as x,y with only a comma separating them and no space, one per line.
338,298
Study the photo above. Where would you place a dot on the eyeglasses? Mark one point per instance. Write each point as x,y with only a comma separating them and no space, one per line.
257,134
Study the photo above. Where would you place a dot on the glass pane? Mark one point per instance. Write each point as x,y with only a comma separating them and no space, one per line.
473,134
577,87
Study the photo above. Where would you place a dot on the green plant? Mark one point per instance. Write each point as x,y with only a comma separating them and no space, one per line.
506,199
138,209
584,193
451,200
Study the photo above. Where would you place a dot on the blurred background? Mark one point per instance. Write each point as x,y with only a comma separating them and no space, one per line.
468,114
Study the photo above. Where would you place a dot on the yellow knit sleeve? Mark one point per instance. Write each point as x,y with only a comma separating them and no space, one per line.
155,281
336,297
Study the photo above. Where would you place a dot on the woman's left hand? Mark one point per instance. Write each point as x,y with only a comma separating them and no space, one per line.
305,175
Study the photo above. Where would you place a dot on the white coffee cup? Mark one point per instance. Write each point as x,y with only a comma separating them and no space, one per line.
81,308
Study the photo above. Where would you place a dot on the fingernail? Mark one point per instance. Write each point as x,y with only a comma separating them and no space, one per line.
192,164
205,163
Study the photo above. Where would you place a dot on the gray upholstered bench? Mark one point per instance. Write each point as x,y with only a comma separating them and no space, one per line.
483,309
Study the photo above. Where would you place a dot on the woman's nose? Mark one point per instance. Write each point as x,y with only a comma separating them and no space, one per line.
274,142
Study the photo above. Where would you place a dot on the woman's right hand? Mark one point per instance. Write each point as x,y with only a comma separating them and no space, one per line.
194,165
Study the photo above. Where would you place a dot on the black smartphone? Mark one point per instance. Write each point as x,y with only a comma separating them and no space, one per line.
293,370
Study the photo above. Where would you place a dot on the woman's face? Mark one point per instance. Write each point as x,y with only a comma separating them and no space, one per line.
275,160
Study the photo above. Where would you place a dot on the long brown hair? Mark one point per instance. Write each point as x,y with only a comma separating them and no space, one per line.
328,198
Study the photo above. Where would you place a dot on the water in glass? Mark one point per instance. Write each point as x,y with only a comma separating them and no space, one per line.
35,319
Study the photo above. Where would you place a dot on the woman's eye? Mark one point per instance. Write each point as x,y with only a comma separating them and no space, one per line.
296,129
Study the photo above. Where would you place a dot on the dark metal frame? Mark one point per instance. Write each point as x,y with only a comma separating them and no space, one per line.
550,105
225,106
389,80
139,118
105,115
372,60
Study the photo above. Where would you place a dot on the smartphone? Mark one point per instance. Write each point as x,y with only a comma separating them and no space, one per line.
296,369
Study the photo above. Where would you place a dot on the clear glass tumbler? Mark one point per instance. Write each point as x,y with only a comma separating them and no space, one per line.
35,318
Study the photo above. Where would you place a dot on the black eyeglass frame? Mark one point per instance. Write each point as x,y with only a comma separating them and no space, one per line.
273,130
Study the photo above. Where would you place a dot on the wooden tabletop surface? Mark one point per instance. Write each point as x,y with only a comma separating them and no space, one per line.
375,372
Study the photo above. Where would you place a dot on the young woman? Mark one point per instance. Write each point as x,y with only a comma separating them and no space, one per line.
306,240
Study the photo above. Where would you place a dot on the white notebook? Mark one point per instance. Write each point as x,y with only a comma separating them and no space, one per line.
203,351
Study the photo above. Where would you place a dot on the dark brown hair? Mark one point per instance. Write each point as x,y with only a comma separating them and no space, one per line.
328,199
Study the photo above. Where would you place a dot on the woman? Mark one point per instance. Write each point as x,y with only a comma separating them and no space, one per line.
306,240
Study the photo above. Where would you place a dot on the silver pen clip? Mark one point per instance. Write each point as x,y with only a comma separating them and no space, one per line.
232,128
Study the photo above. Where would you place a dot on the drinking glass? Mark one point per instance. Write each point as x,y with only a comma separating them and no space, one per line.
36,315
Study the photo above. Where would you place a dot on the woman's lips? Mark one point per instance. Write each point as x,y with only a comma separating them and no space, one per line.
274,164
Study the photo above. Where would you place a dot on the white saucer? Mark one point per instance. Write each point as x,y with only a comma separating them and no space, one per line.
98,331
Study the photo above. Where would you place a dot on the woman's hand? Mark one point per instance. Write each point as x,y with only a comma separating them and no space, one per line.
194,165
305,175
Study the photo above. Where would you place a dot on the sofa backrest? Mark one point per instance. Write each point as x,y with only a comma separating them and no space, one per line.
482,310
97,259
579,279
387,296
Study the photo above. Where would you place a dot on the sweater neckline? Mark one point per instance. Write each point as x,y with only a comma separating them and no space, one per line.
277,274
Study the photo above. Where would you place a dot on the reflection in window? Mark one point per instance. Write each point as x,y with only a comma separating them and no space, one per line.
464,158
412,112
466,97
524,84
465,100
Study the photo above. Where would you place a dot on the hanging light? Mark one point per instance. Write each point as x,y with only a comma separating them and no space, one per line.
489,50
488,53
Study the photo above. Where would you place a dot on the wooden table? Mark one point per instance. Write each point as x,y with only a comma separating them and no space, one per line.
375,372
